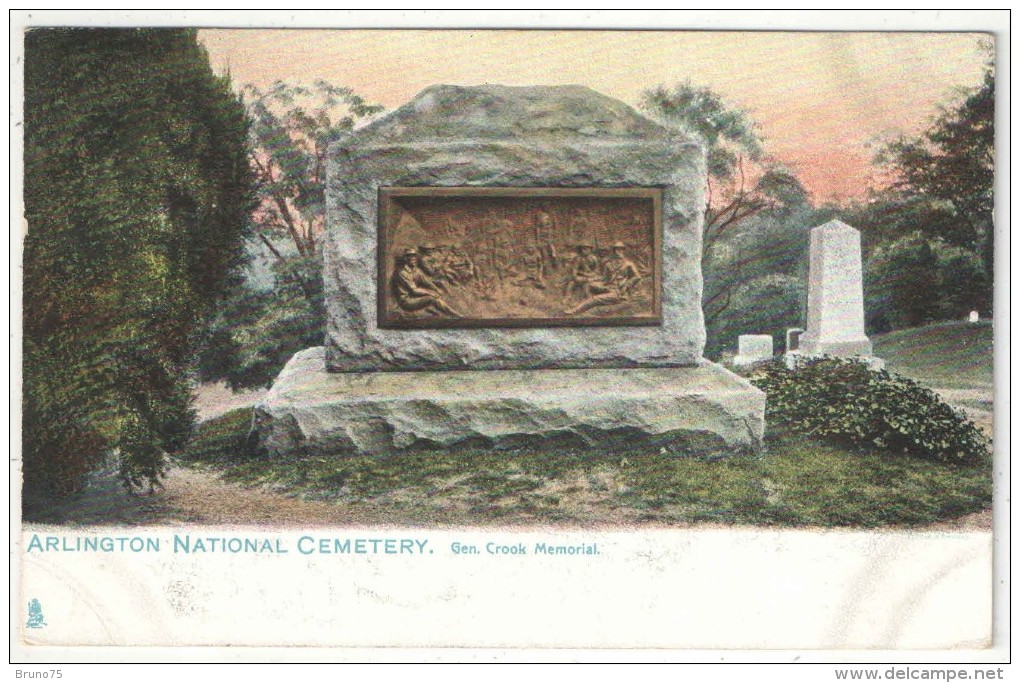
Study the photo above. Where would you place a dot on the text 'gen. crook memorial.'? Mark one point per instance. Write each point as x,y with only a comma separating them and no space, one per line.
506,265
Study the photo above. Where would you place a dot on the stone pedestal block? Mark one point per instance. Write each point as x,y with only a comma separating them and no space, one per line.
378,389
312,411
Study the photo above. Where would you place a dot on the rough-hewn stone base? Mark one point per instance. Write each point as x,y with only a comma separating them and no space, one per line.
310,410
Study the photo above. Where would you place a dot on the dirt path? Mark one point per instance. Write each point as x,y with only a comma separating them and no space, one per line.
188,496
200,497
212,400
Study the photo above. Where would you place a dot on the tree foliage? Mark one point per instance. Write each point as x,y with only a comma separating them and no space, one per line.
915,280
742,182
760,304
292,128
137,194
256,330
729,134
747,195
950,169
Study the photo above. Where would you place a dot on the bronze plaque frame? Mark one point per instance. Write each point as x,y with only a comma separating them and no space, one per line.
389,205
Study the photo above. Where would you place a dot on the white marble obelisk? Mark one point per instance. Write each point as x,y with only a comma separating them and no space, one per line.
835,322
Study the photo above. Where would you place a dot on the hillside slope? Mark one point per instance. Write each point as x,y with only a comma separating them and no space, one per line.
954,355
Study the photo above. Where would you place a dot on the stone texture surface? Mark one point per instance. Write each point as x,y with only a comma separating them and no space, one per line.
498,136
310,410
835,323
752,348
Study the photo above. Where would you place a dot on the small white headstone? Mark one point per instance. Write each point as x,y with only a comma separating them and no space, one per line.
835,322
752,348
974,317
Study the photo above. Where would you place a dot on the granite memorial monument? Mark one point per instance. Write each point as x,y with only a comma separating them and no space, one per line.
507,264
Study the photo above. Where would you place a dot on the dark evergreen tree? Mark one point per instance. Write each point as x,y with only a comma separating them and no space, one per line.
946,176
137,199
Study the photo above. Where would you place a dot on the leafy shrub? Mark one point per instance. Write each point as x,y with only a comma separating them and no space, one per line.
845,400
256,331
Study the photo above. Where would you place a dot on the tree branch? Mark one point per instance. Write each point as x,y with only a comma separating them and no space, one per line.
320,157
281,204
280,201
736,215
708,200
310,235
273,249
712,315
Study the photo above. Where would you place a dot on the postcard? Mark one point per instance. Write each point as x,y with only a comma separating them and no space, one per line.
511,337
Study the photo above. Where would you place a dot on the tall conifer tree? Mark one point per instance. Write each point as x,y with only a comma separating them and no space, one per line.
137,199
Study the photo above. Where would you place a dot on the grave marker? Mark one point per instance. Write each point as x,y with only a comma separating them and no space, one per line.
835,322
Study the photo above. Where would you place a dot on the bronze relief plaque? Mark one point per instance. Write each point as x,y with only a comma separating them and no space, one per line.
519,257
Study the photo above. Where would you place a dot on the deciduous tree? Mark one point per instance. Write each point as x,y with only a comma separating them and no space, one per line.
257,329
950,168
743,185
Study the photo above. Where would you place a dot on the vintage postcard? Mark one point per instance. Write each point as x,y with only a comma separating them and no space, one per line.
555,336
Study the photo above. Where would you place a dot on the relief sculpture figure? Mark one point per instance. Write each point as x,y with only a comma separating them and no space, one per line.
544,232
417,291
584,273
461,267
532,268
503,257
619,278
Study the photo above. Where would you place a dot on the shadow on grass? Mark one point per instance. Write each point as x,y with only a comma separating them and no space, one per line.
956,355
104,500
797,482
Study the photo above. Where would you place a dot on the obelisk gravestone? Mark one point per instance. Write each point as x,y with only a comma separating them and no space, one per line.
835,321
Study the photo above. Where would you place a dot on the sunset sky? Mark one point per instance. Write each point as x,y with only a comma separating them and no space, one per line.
822,99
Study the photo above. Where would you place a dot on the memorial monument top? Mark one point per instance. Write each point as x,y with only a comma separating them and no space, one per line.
522,113
835,321
552,210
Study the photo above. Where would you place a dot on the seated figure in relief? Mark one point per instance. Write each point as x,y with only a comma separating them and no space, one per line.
416,291
584,273
618,279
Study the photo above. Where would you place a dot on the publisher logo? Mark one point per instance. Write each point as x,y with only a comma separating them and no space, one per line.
35,615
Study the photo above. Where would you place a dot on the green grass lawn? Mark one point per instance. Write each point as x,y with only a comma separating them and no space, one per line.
797,482
954,355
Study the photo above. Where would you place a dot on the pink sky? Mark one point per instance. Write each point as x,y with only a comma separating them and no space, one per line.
822,99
